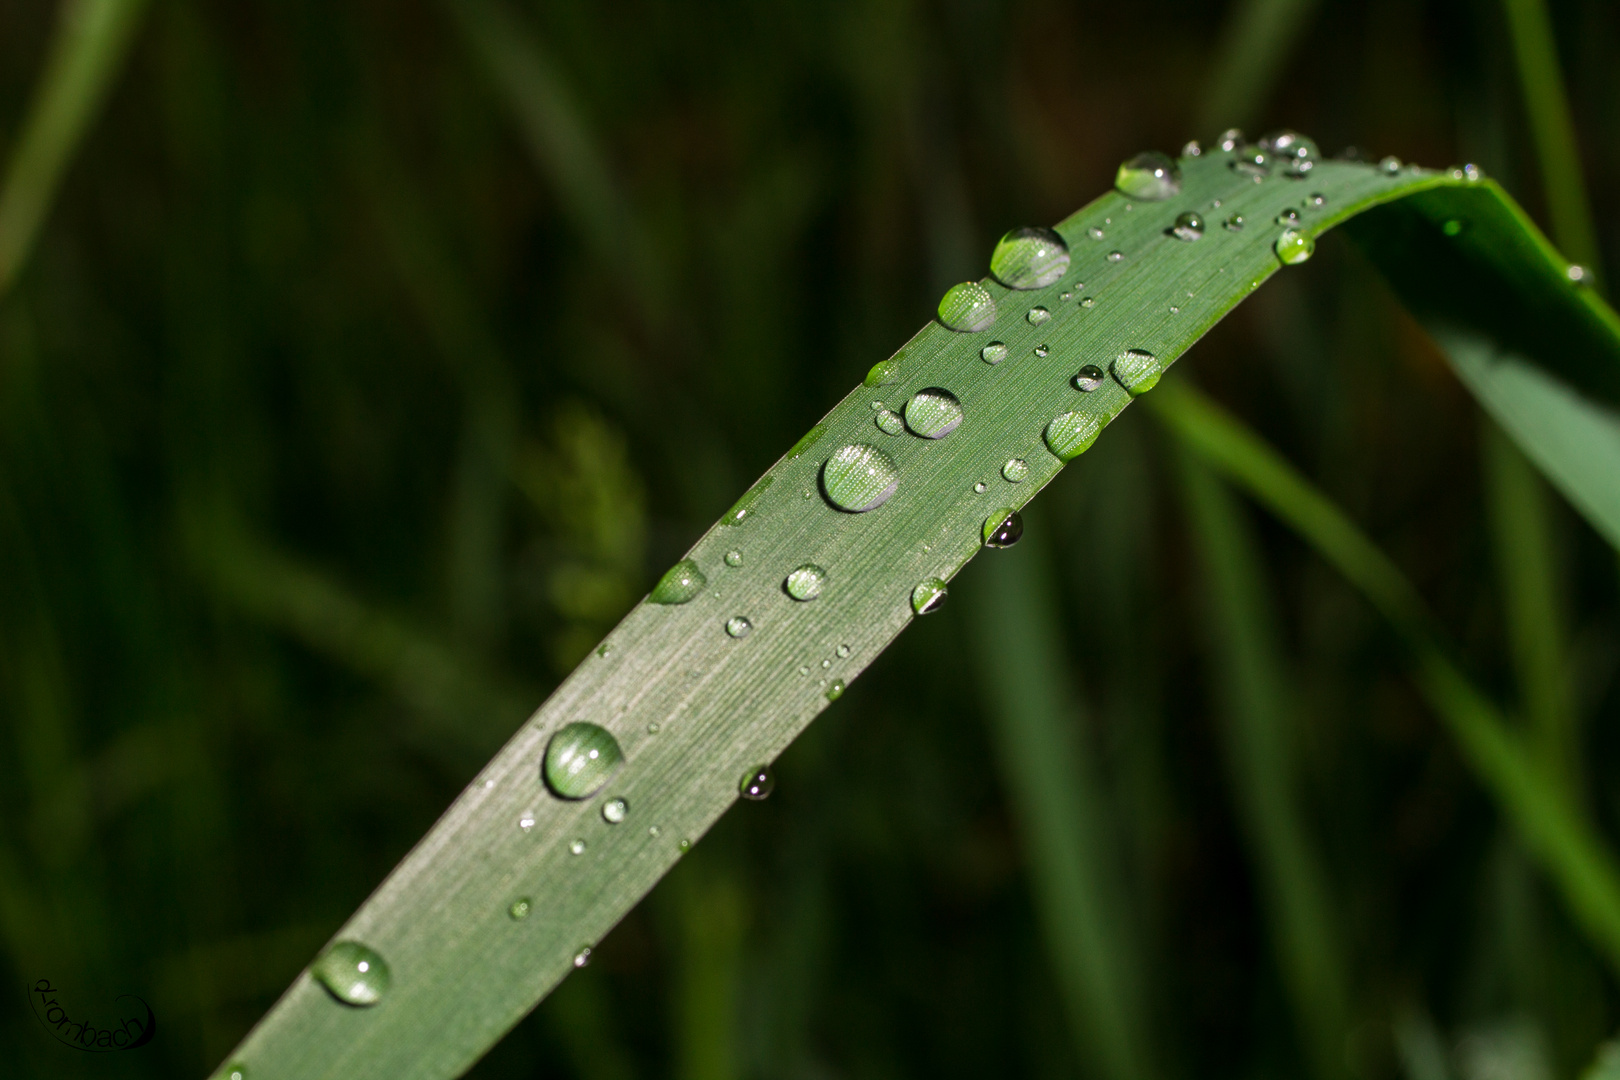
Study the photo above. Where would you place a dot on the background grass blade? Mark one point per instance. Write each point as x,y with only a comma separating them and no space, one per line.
91,40
1254,45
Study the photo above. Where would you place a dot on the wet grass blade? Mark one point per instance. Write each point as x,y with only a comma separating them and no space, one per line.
723,672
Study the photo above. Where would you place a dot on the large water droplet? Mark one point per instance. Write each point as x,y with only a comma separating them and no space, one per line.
933,413
1088,378
805,583
858,478
1137,370
1038,315
579,759
888,421
738,626
1189,227
1002,529
1294,246
1029,258
1015,470
758,783
352,973
929,596
615,811
1150,176
1070,435
967,308
993,353
520,908
679,584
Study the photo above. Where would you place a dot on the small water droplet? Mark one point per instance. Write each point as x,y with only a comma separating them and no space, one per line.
1086,301
603,649
1294,246
235,1071
1318,199
1230,139
1038,315
1193,148
1452,227
1002,529
1189,227
1071,434
888,421
577,847
1088,378
1015,470
679,584
882,373
653,728
685,845
738,626
520,908
842,651
1579,274
758,783
804,669
1043,350
1251,160
1095,233
488,784
579,759
825,664
1391,165
933,413
805,583
993,353
1234,223
1115,256
835,690
733,557
929,596
1137,370
352,973
526,822
980,488
1473,173
1150,176
583,957
858,478
615,811
1029,258
1066,294
1296,151
967,308
744,506
1289,216
1174,310
654,830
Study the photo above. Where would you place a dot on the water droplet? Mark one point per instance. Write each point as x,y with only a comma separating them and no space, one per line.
1067,295
826,664
882,373
933,413
653,728
738,626
1029,258
684,845
1234,223
352,973
993,353
1086,301
579,759
733,557
1318,199
1188,227
1088,378
1473,173
967,308
488,784
1095,233
1137,370
1150,176
858,478
1070,435
1015,470
1391,165
758,784
809,439
1043,350
583,957
234,1071
1579,274
654,830
836,690
1038,315
1193,148
520,908
1294,247
526,822
1251,160
744,506
1230,139
1002,529
1297,151
679,584
888,421
603,649
805,583
577,847
1174,310
842,651
1452,227
615,811
1115,256
804,669
1289,216
929,596
980,488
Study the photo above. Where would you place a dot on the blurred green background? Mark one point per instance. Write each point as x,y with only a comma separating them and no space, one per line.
373,359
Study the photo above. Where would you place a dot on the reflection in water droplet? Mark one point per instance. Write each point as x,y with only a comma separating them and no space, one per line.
967,308
520,908
1289,216
615,811
579,759
929,596
1230,139
805,583
1038,315
733,557
526,822
1043,350
993,353
679,584
836,690
1029,258
583,957
1391,165
1193,148
1188,227
352,973
933,413
738,626
758,783
1115,256
1095,233
1088,378
1579,274
577,847
1150,176
1002,529
1015,470
888,421
1294,247
858,478
1318,199
883,372
1137,370
1234,223
1070,435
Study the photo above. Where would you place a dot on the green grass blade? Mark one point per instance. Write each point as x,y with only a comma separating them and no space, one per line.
1251,683
91,41
1053,785
693,707
1565,843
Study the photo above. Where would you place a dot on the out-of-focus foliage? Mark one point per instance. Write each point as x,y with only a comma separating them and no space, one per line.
301,511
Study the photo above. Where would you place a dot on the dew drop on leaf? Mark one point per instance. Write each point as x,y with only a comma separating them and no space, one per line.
1189,227
859,477
1002,529
1029,258
1088,378
758,783
835,690
1137,370
738,626
967,308
929,596
679,584
1015,471
579,759
805,582
1149,176
1038,315
993,353
352,973
888,421
615,811
933,413
520,909
1294,246
1071,434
